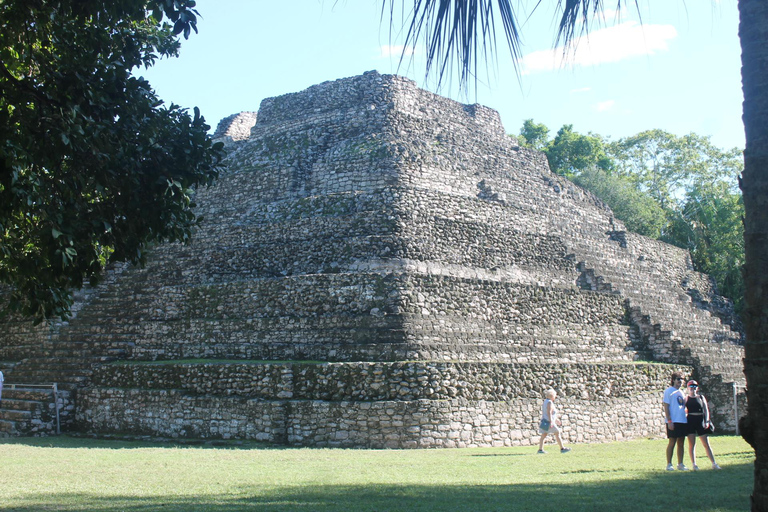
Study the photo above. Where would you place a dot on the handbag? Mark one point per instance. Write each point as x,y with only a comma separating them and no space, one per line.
544,424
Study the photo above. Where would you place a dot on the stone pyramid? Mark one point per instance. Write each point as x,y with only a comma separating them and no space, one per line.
384,267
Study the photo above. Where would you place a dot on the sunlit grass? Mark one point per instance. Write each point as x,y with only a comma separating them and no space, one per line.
82,474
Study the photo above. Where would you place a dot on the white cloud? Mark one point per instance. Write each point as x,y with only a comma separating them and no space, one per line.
388,51
581,90
608,15
604,105
612,44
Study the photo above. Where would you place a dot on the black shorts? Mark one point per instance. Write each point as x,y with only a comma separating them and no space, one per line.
681,430
696,426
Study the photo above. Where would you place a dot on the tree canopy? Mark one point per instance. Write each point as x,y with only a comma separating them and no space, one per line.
638,210
679,189
534,135
570,152
93,165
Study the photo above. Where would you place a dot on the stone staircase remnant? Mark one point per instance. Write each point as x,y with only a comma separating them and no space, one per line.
380,266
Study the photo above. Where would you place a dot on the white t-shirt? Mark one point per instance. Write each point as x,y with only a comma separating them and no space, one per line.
676,401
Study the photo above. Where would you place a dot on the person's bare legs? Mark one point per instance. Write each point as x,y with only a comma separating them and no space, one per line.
559,441
541,442
680,449
705,442
670,449
692,449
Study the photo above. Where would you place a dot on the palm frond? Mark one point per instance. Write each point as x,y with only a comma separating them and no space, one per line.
457,33
462,33
579,15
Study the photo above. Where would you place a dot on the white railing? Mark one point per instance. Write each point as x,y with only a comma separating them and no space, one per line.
53,387
736,388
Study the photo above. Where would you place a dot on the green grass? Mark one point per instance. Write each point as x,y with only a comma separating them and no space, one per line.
68,474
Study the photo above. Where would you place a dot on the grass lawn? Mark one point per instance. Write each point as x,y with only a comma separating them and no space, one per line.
69,474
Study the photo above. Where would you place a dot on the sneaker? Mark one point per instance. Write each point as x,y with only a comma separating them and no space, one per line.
541,451
681,467
715,466
695,467
565,450
670,467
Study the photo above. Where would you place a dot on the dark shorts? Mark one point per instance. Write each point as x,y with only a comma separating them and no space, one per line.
681,430
696,426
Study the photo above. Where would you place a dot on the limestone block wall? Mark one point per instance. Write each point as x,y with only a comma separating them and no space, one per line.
370,225
236,127
371,316
20,340
670,304
454,423
382,381
378,405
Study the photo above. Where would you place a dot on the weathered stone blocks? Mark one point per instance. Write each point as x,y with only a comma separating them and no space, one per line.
377,405
380,266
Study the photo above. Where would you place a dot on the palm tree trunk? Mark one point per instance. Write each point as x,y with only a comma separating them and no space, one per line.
753,33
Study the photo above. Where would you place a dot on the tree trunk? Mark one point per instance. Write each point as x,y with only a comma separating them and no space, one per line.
753,33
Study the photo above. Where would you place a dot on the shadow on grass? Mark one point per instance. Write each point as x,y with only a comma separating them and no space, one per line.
710,491
122,443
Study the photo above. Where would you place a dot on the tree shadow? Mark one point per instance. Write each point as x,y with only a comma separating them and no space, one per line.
127,442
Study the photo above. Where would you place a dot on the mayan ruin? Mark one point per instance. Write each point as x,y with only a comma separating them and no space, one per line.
381,267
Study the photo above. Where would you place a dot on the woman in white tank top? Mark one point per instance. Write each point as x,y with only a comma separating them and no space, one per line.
549,421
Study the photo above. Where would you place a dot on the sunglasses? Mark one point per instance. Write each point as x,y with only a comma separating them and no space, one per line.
694,386
679,380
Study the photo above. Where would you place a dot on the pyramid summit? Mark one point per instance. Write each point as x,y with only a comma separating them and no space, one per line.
380,266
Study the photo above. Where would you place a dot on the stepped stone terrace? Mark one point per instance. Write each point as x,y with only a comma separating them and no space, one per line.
380,266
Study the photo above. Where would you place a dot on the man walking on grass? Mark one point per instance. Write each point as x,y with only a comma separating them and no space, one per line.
675,421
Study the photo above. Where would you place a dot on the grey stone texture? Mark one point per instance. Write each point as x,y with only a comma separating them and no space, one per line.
380,266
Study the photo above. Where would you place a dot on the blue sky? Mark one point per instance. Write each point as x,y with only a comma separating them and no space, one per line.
678,70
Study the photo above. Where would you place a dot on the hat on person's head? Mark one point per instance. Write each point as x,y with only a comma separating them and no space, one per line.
692,383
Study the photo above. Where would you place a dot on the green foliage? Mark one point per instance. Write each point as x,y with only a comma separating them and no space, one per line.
639,211
534,135
665,165
695,182
571,153
682,190
93,166
710,226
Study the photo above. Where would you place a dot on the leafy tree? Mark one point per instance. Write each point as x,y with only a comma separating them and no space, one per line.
583,159
709,225
653,159
456,30
639,211
534,135
93,166
571,153
701,209
666,165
